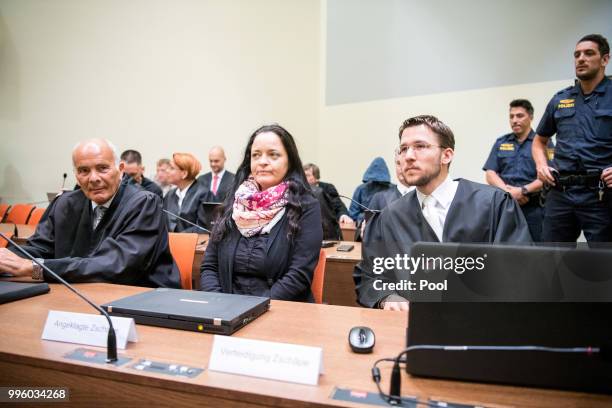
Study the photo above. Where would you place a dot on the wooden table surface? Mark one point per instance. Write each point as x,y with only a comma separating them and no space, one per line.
26,360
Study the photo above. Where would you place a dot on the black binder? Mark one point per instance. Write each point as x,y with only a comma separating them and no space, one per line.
10,291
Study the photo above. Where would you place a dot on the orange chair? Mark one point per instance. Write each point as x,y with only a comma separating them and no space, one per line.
318,278
3,210
4,242
182,247
20,213
36,216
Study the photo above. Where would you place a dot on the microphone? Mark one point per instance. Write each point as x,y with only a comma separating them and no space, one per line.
187,221
395,387
359,204
111,343
369,212
64,181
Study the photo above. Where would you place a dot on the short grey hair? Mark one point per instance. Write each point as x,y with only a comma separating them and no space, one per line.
110,144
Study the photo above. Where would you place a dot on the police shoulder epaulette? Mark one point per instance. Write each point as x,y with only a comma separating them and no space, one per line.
565,90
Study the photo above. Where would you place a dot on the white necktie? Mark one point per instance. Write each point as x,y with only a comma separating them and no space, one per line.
431,215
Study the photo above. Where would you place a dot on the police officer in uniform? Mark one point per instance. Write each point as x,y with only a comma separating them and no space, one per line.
510,165
581,178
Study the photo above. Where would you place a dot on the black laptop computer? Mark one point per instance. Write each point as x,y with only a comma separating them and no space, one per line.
553,324
207,312
10,291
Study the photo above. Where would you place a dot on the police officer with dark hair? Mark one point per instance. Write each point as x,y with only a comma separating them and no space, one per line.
581,179
510,165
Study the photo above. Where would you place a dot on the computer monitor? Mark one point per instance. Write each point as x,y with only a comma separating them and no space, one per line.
554,323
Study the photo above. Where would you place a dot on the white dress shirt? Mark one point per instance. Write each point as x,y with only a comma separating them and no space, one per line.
436,205
105,205
182,193
404,189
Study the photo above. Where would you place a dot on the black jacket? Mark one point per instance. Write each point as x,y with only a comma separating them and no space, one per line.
332,209
129,246
224,188
383,198
289,264
191,209
478,213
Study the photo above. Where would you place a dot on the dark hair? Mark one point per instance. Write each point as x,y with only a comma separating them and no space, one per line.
131,156
600,40
297,185
445,134
522,103
315,170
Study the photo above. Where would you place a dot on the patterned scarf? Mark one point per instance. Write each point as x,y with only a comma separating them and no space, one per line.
254,210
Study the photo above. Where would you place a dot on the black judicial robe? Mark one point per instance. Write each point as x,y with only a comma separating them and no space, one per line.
383,198
129,246
478,213
191,209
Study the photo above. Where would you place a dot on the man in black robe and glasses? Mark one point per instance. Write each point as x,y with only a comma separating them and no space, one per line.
106,231
438,210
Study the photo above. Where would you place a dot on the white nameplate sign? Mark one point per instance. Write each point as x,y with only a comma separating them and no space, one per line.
88,329
267,359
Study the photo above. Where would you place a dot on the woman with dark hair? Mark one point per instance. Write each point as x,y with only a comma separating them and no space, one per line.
268,240
184,200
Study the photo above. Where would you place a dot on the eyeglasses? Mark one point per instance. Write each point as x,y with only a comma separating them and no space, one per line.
417,148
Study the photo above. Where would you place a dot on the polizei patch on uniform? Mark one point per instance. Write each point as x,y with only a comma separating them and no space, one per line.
566,103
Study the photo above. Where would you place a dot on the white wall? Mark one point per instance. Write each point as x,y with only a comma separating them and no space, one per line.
356,133
164,76
157,76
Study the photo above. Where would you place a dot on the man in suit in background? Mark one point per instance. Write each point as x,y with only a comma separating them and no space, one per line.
106,231
134,172
161,175
333,210
218,182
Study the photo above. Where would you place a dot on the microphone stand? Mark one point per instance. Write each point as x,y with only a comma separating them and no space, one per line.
111,343
187,221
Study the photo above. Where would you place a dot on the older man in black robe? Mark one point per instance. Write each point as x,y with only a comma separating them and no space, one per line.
439,210
106,231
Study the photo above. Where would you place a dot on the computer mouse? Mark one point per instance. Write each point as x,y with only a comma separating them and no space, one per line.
361,339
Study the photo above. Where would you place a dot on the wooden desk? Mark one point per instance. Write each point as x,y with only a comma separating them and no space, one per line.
338,287
348,232
26,360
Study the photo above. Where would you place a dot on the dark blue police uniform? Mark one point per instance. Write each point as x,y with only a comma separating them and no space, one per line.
580,201
513,163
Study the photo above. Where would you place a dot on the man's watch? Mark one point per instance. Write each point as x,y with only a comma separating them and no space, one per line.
37,270
524,191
